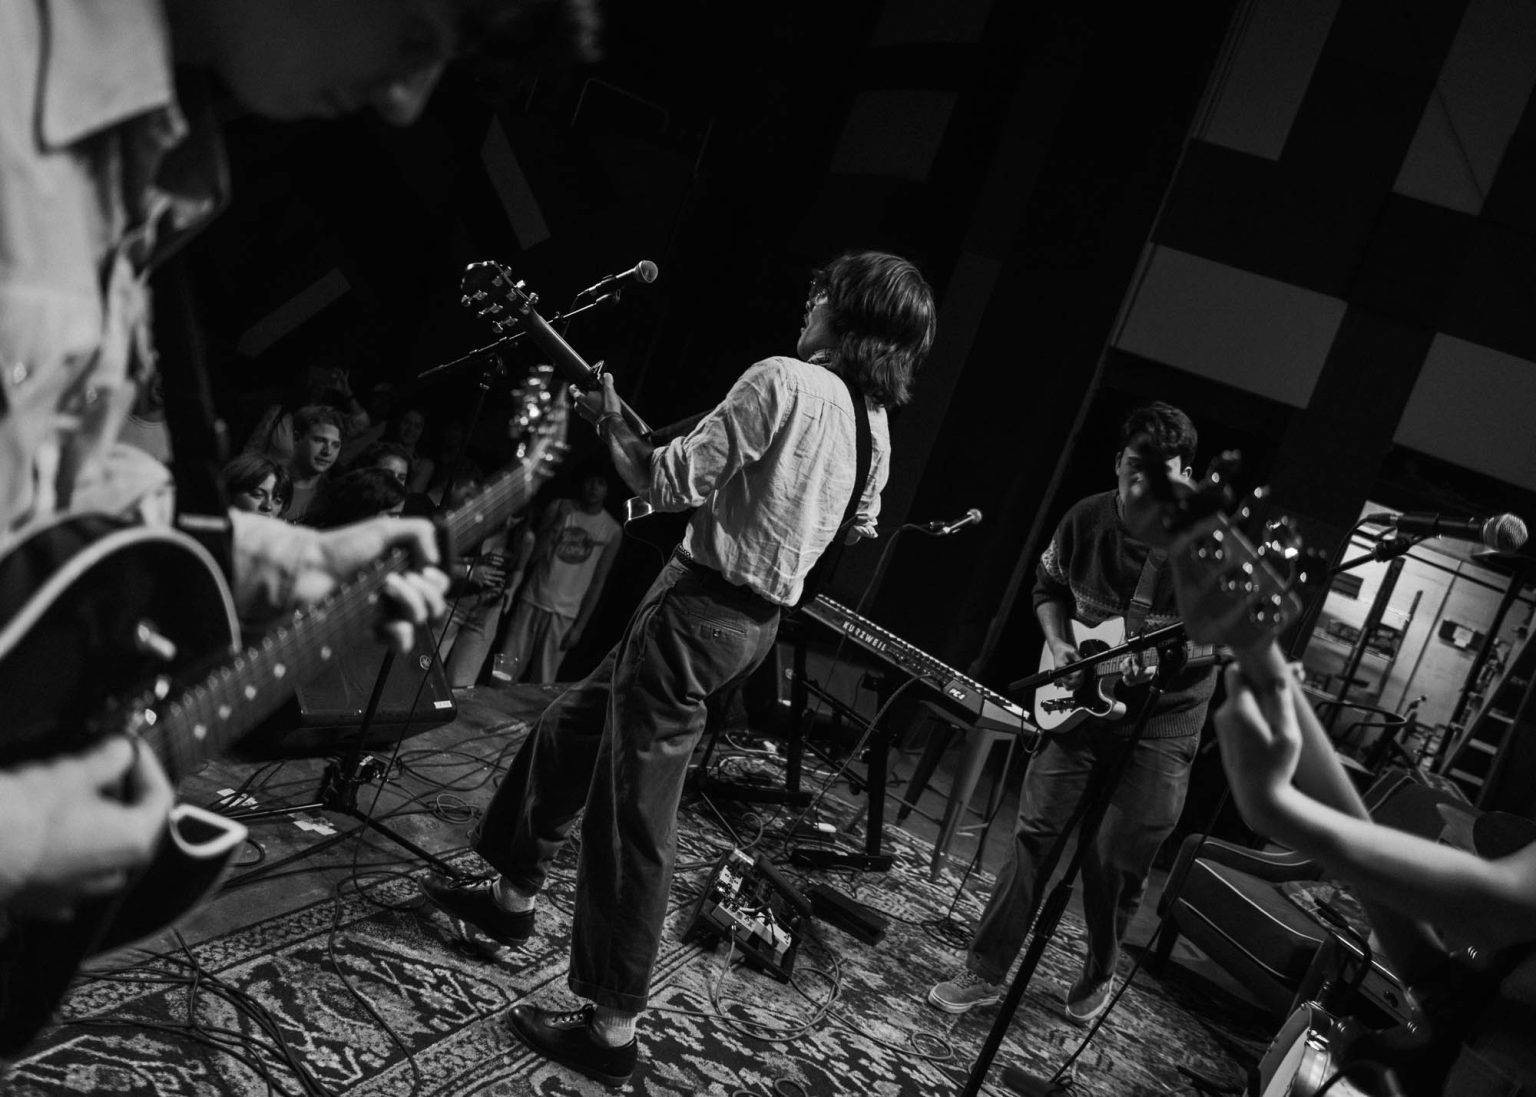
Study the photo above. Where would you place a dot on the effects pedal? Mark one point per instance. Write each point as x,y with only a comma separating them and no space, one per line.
750,902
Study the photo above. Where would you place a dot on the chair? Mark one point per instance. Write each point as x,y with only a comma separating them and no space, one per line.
1239,906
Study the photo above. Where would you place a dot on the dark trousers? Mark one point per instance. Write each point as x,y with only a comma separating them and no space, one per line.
619,744
1143,810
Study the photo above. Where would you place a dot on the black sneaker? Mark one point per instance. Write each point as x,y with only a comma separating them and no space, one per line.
474,904
567,1039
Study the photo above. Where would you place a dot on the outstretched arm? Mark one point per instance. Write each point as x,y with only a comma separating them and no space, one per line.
1289,788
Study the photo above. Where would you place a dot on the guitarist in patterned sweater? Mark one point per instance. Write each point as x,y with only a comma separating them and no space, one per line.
1093,570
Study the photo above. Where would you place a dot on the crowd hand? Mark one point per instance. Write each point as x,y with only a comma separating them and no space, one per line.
412,598
1260,744
490,573
1063,653
77,825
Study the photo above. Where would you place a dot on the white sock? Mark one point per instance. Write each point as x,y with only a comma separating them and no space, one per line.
612,1027
509,899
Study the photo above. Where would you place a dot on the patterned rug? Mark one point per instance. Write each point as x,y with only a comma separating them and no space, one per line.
374,994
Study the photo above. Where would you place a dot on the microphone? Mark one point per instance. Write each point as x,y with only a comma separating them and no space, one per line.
944,529
1501,532
643,271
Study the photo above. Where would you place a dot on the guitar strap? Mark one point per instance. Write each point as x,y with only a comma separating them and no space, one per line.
1141,600
199,439
826,563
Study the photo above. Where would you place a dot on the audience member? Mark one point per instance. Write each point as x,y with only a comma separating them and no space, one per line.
317,444
277,432
354,496
575,544
257,484
389,456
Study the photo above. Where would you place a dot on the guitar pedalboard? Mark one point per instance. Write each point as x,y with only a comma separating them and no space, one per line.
750,902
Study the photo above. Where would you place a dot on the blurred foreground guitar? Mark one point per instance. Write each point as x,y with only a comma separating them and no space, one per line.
130,630
1234,592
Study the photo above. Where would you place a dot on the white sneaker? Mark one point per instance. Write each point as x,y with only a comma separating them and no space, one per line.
1086,1002
965,992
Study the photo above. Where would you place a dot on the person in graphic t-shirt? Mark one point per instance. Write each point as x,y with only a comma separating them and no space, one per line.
574,549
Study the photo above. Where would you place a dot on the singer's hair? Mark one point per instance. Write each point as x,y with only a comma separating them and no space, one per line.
1170,431
882,311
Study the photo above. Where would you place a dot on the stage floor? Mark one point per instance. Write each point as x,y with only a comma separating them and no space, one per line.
293,916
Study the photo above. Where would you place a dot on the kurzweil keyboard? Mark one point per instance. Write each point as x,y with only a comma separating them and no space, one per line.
965,698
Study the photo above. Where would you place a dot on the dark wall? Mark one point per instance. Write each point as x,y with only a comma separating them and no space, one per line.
733,145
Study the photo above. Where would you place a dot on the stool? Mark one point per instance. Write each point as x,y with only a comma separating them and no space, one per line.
978,748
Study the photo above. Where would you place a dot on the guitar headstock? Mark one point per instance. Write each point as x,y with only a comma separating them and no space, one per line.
1232,589
489,289
539,425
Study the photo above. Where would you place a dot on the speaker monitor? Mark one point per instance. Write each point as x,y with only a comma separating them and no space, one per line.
330,705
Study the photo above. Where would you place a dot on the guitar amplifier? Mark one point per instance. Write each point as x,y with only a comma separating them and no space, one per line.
329,707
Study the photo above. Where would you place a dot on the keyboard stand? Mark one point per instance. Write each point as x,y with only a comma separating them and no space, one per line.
878,750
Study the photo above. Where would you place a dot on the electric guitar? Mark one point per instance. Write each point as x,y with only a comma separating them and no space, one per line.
130,630
1059,707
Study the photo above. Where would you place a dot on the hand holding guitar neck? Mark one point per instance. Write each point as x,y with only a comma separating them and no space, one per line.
489,288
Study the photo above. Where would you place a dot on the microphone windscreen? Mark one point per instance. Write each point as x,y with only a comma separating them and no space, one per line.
1505,533
646,271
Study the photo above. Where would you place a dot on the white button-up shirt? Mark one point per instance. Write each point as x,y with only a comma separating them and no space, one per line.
771,471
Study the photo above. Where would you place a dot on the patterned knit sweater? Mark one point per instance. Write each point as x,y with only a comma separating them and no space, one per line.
1092,566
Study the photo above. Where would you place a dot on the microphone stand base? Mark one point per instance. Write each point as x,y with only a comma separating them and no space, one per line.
1032,1085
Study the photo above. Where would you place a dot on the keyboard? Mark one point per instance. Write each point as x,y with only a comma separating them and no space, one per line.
964,698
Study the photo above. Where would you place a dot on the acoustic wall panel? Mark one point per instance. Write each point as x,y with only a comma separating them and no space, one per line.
1260,82
1479,98
1476,407
1258,334
894,132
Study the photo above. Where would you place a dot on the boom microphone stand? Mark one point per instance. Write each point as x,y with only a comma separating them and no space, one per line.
343,777
1086,819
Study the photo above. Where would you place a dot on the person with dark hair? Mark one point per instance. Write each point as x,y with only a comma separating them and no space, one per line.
354,496
102,173
1095,569
772,472
317,433
257,484
389,456
276,433
406,430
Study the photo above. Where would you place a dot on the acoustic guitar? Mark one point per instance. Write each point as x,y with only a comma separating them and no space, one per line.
130,630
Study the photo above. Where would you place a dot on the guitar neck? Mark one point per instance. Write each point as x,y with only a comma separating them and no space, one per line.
230,701
1196,655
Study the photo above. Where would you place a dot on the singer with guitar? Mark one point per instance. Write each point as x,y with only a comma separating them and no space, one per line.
775,474
1094,570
